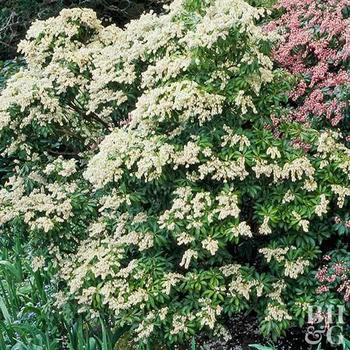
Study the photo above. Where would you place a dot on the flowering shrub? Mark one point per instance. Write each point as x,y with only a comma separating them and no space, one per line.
193,207
333,284
195,186
315,45
333,276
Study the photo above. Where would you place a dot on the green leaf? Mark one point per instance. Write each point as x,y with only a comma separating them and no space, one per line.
261,347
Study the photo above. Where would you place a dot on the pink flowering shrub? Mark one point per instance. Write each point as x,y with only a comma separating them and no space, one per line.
333,277
315,45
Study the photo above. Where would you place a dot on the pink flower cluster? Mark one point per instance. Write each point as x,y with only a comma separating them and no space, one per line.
316,46
334,277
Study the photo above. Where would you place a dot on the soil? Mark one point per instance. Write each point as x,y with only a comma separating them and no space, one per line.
244,331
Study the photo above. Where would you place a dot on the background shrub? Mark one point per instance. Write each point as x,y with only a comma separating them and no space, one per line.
16,16
315,46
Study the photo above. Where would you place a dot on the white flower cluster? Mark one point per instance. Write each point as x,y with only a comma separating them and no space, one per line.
294,268
42,208
277,253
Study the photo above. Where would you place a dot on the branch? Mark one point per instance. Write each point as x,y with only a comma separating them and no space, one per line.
63,153
90,116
